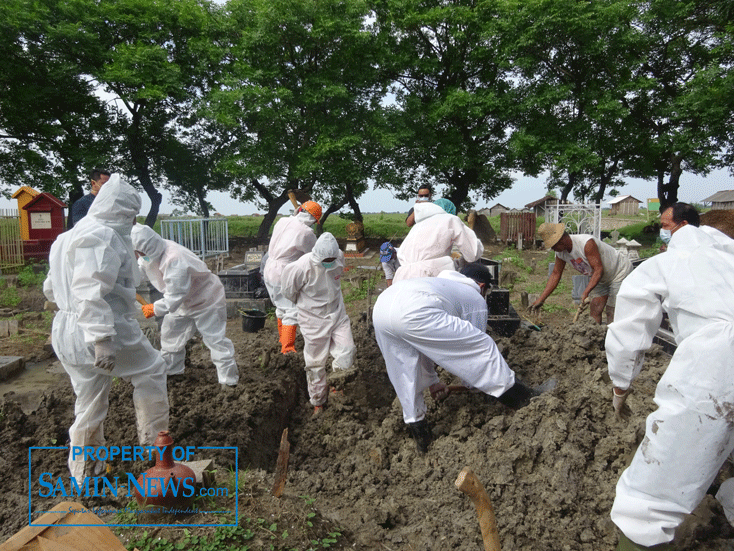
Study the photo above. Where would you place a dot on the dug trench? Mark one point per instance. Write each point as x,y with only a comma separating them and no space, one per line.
550,468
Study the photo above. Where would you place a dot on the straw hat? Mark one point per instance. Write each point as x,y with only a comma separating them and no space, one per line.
551,233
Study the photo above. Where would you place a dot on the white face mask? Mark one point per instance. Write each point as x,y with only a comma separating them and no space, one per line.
422,199
665,235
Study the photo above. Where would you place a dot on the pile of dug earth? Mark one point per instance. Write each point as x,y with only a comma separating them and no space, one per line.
550,469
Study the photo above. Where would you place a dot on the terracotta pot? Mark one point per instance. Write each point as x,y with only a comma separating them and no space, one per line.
166,484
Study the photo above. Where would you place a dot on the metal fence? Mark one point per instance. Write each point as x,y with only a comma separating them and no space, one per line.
11,244
584,218
206,237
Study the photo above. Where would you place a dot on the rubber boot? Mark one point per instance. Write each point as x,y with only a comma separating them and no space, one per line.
626,544
280,329
288,339
517,396
422,434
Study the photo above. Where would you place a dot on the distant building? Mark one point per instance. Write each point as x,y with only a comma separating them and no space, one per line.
496,210
721,200
540,206
624,205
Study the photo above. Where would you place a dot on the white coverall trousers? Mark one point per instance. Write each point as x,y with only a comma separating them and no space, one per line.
285,310
332,335
687,439
136,361
176,331
415,337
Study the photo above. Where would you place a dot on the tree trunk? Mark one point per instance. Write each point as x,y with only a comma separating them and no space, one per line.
203,205
140,162
668,192
572,178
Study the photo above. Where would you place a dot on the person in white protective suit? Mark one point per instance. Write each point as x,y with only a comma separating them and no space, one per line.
292,238
690,434
426,250
441,320
313,283
92,279
193,299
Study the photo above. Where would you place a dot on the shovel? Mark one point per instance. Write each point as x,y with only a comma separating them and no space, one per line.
582,306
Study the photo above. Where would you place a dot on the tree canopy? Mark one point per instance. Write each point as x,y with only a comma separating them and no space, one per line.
259,97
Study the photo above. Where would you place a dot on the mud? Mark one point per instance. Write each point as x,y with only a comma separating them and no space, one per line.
550,468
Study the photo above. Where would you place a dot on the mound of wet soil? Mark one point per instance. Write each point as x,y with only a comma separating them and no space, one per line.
550,469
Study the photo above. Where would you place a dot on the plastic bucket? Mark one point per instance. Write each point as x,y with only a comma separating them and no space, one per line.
253,320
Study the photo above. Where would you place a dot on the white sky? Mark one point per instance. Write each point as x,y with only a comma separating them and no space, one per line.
693,189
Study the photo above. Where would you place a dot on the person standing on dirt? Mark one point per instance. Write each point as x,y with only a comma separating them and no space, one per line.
97,179
292,238
690,434
193,300
441,320
604,265
425,194
313,283
92,279
389,261
426,250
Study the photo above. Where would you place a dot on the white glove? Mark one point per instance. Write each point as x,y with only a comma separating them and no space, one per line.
104,354
621,409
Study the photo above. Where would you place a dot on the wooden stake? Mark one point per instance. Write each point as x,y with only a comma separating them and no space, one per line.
281,467
468,483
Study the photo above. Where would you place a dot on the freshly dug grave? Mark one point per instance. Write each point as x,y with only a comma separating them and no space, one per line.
550,469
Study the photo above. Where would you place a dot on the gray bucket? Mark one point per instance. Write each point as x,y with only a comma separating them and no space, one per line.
253,320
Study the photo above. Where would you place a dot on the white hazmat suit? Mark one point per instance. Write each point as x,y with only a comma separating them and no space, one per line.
437,320
426,250
193,299
292,238
691,433
325,326
92,279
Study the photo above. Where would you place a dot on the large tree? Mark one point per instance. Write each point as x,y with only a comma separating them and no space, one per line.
451,113
684,108
574,66
298,89
53,128
154,57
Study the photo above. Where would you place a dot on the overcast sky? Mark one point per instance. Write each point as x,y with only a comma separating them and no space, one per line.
693,189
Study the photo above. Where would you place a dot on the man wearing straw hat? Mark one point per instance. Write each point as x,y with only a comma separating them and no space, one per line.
590,256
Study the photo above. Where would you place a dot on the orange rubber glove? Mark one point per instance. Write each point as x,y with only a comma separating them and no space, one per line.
148,310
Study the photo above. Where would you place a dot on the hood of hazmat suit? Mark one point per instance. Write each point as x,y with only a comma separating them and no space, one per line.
187,284
315,289
426,250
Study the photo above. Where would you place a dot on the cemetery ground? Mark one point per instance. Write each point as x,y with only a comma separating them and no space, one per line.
355,480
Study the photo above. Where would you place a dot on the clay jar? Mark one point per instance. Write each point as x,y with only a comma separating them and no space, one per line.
165,484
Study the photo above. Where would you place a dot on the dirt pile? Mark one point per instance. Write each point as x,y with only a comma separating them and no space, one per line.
722,220
550,469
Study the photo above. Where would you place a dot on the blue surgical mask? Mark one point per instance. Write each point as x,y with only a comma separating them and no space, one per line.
329,265
145,258
665,235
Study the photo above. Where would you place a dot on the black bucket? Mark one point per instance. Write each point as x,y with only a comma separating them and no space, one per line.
253,320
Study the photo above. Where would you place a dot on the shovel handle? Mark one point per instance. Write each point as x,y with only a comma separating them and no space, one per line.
468,483
140,299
